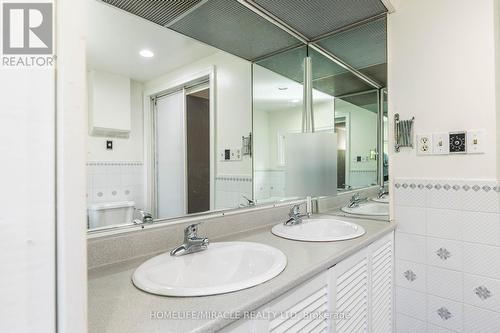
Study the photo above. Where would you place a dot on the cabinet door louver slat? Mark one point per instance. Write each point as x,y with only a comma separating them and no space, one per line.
381,287
316,303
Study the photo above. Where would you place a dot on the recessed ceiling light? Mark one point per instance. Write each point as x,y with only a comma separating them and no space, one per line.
295,100
282,88
146,53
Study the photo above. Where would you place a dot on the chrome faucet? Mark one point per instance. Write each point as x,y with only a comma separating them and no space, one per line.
382,192
192,243
250,202
355,201
144,217
295,216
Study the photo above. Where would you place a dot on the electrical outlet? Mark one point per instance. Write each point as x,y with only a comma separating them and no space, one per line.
424,144
441,143
475,141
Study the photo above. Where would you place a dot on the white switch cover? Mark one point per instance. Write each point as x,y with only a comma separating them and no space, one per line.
475,142
424,144
441,143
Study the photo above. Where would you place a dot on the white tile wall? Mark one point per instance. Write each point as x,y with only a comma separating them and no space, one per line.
115,181
269,184
447,255
406,324
230,189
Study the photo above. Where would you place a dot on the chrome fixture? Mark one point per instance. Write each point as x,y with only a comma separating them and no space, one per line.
250,202
382,192
192,243
295,216
246,143
355,200
144,217
403,133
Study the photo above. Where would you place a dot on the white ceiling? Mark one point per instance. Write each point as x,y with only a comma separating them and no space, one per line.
269,97
115,37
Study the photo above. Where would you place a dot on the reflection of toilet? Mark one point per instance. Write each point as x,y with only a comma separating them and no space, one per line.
109,213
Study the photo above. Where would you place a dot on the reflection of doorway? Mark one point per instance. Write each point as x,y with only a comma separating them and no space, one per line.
198,150
182,151
340,129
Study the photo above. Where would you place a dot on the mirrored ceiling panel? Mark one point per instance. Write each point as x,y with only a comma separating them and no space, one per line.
232,27
289,64
363,47
314,18
159,12
332,79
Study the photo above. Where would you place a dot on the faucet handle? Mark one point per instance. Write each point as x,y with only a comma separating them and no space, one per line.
294,210
144,216
191,231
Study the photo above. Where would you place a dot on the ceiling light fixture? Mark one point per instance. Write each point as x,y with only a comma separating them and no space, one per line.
295,100
146,53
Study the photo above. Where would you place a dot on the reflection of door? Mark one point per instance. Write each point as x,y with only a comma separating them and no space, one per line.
340,129
170,155
198,151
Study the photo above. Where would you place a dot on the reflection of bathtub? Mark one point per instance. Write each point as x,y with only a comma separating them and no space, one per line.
276,199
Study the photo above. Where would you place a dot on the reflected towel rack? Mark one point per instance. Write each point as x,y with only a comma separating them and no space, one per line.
403,133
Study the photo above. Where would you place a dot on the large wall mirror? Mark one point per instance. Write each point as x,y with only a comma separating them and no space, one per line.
210,105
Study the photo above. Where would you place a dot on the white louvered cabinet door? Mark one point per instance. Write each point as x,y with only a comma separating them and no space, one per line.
349,288
381,255
309,298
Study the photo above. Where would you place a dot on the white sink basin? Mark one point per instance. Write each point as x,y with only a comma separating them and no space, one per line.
369,208
319,230
384,199
222,268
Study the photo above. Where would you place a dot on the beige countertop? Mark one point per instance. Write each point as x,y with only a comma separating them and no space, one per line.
116,306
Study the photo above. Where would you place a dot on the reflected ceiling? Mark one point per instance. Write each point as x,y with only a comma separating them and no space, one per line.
363,47
256,29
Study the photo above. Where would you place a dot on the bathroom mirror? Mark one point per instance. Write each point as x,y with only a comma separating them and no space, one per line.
169,122
188,118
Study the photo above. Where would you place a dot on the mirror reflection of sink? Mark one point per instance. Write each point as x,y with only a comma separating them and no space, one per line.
368,209
224,267
384,199
319,230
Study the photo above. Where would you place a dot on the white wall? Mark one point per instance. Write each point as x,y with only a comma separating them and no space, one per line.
27,196
124,149
442,70
233,103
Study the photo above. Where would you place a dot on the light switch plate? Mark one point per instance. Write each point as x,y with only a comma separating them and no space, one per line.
441,143
475,142
424,144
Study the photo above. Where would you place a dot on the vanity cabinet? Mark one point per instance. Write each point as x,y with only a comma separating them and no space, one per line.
355,295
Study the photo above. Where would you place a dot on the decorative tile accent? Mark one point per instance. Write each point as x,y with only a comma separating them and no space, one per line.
444,313
482,292
443,253
115,163
410,275
446,186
